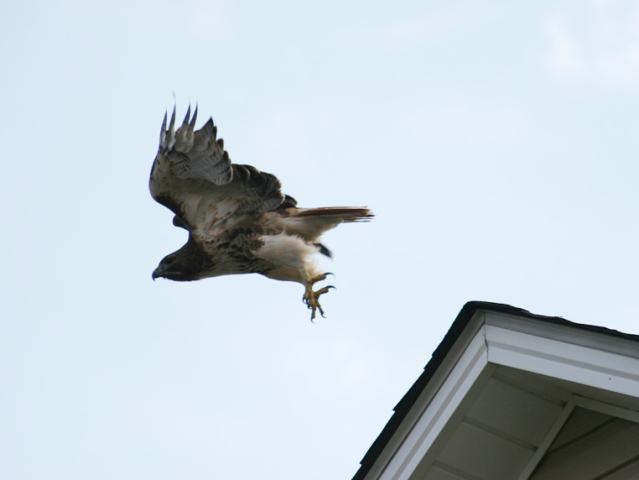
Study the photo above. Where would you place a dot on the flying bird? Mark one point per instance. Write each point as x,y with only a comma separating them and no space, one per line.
237,217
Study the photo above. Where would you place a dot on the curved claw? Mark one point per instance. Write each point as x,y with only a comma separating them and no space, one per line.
320,278
324,290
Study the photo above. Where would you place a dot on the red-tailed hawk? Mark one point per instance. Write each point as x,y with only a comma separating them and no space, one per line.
238,219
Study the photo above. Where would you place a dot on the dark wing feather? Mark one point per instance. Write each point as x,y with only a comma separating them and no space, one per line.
193,176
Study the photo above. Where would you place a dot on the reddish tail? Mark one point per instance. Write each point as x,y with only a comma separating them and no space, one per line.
344,214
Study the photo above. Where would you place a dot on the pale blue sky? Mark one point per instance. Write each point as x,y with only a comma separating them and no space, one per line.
496,141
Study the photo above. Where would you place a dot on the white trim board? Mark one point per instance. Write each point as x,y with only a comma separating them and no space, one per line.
563,360
442,406
435,384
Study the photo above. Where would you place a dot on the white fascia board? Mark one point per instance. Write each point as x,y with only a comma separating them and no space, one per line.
566,333
432,421
564,360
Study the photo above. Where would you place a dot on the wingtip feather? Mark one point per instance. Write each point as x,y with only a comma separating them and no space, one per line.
193,120
163,130
187,117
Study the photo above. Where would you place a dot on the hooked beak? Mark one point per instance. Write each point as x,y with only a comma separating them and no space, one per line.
156,273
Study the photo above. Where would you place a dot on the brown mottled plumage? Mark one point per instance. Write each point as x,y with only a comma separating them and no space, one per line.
238,219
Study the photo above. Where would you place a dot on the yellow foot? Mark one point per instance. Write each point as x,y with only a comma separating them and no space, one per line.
311,298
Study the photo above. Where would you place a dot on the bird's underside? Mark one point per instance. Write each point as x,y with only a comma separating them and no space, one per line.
238,219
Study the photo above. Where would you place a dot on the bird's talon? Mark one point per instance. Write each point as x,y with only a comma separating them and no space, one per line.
321,277
311,298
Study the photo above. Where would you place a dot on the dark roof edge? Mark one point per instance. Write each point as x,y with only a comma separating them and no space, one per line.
457,327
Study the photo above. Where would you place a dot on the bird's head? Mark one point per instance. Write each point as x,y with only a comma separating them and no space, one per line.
186,264
173,267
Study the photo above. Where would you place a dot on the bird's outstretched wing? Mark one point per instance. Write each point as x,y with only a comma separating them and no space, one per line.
193,176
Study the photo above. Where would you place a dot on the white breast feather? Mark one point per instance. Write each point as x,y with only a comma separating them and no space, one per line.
289,252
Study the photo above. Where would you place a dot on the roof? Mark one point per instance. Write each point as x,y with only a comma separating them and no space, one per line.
458,326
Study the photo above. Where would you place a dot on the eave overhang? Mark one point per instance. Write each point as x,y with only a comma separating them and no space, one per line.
486,336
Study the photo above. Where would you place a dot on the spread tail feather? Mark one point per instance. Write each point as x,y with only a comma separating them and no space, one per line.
310,223
341,214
